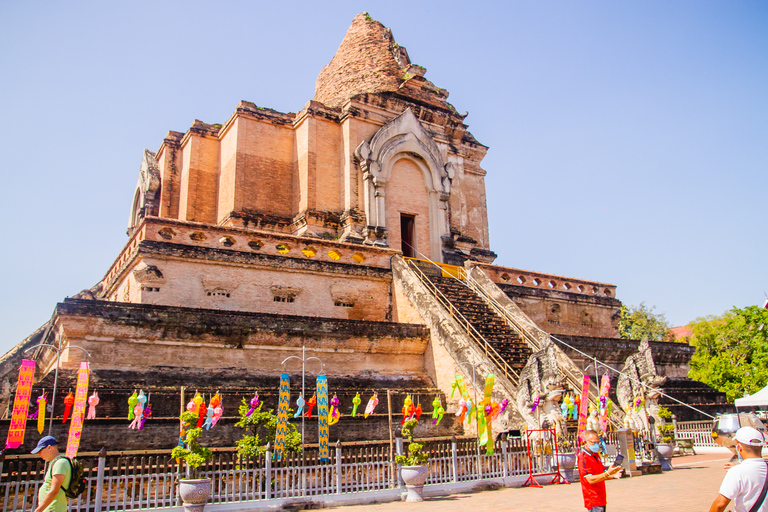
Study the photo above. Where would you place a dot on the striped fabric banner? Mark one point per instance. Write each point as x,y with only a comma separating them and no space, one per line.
81,396
21,405
282,415
583,407
322,416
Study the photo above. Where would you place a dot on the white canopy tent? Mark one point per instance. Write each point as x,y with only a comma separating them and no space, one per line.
756,400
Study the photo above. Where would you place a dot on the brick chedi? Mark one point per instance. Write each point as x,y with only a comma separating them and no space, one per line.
251,238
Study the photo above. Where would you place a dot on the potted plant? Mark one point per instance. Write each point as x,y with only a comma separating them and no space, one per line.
414,469
566,457
666,447
194,491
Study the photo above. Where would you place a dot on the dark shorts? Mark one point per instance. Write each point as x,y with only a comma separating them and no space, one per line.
597,509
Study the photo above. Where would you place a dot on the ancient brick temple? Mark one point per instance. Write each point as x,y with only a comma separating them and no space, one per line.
343,228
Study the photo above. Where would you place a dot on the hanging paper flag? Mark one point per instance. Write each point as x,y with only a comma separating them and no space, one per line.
583,407
42,403
81,396
437,411
21,405
372,403
355,403
311,404
93,401
300,403
322,417
282,415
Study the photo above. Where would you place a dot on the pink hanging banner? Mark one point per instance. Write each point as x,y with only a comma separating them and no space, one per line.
21,405
604,402
583,407
81,396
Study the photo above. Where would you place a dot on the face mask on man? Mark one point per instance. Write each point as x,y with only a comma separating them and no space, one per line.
594,448
738,453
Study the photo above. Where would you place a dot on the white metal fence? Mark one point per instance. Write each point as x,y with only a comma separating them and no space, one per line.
132,483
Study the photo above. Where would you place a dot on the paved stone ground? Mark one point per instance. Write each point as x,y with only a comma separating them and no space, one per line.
691,486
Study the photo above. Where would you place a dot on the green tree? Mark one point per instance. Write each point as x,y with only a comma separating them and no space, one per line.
263,423
731,351
638,322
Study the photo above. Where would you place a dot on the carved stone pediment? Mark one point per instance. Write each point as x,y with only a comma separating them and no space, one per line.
145,200
148,274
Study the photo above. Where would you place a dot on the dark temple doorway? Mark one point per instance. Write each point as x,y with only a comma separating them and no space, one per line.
407,235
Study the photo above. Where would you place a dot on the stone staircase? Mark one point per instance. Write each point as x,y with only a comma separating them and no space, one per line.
493,329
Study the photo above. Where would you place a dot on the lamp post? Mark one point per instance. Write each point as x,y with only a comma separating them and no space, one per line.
474,365
303,360
56,375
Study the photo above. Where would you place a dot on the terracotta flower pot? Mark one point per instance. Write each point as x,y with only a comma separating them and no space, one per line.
194,493
414,478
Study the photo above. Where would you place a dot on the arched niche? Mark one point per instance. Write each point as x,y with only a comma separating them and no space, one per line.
404,138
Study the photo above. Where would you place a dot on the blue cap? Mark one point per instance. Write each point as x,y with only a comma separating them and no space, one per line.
44,442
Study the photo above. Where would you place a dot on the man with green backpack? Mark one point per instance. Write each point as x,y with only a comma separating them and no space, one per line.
51,497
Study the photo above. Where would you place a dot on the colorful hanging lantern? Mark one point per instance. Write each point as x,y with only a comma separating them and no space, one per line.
355,403
372,403
334,414
69,401
254,403
146,413
93,401
132,401
407,409
300,403
312,403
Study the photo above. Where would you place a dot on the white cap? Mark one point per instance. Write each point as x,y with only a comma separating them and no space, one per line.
750,436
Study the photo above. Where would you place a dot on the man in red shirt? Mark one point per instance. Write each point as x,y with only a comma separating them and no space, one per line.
593,474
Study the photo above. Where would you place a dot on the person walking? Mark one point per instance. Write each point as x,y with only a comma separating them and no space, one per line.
593,474
745,483
51,497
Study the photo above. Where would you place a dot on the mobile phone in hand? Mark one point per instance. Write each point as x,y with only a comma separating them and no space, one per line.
618,461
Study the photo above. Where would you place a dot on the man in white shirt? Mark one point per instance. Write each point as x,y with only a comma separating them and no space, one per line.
744,482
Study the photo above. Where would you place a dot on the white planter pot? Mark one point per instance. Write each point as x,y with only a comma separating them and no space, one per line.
414,478
194,493
665,455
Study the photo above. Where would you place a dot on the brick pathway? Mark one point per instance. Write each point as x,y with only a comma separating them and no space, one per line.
691,486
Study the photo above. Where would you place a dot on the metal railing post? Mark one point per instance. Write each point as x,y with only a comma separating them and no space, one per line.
100,479
454,459
268,476
338,467
504,460
399,451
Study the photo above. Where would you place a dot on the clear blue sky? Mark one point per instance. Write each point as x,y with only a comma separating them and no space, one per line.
628,140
